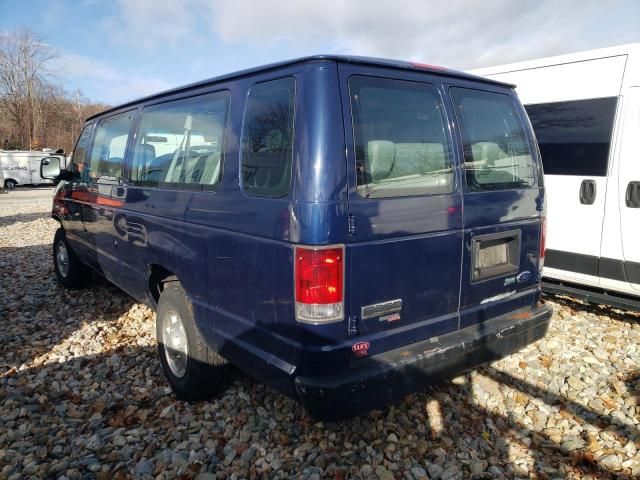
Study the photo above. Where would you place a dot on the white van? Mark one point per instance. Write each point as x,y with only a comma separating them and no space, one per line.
585,110
23,167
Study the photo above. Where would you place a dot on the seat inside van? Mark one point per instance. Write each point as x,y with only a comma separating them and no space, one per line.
389,160
491,164
203,169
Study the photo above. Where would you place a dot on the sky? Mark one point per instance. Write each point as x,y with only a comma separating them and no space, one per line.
119,50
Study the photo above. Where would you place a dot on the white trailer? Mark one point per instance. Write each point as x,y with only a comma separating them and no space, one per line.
23,167
585,110
2,189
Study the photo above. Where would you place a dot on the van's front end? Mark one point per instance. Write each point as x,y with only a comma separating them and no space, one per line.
418,233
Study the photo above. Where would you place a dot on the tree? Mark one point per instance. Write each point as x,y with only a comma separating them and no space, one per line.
35,111
24,70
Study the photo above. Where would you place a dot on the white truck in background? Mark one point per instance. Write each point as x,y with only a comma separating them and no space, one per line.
23,167
585,111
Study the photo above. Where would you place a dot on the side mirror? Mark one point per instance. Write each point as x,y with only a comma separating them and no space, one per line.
50,168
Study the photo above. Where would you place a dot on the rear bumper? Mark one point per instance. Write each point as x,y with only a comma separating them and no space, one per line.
375,382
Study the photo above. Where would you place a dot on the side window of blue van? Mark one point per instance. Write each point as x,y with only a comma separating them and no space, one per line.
79,158
496,150
267,138
109,145
401,143
181,144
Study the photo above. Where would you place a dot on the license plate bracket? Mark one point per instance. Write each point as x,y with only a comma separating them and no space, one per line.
495,255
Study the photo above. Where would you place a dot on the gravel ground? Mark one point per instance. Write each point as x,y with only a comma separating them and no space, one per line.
82,395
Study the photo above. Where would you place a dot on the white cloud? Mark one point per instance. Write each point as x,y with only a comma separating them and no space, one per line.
462,33
117,86
186,38
149,24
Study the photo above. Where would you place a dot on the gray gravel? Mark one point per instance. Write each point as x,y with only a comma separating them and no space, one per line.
82,395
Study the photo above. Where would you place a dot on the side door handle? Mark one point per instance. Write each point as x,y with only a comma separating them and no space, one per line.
588,192
632,196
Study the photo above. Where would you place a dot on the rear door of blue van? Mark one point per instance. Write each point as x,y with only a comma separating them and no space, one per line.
503,202
405,208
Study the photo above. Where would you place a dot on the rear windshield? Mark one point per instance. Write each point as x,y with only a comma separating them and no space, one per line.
496,150
401,144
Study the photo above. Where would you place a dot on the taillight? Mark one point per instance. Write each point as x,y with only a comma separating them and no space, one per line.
543,241
319,284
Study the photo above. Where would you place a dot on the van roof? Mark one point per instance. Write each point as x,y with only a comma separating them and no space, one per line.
399,64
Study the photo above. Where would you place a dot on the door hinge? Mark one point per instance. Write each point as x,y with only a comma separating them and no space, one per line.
353,325
352,225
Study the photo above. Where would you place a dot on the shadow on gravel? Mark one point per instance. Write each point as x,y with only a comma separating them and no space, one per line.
580,458
66,414
628,316
128,393
632,381
624,433
129,396
5,221
37,312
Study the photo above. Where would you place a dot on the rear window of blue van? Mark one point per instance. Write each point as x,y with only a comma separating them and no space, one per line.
401,144
496,150
267,138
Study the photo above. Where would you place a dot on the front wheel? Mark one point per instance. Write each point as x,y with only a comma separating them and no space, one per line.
194,371
71,272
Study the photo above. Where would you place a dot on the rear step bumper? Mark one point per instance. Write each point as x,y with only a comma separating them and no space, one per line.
375,382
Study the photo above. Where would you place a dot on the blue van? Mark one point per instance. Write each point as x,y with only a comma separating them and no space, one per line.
347,230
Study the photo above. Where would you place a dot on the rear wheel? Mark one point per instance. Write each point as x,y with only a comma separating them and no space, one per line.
71,272
10,184
194,371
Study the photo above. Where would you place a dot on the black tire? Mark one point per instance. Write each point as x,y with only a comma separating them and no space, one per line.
10,184
206,371
77,274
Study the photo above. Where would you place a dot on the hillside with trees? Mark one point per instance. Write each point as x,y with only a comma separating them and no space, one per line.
35,110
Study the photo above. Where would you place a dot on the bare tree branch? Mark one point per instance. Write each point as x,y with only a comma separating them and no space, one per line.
34,110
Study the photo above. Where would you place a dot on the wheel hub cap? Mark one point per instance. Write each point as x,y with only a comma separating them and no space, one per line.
176,347
62,259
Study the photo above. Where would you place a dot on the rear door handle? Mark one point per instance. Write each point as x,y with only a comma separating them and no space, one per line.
632,196
588,192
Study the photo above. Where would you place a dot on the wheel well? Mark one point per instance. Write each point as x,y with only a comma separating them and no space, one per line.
158,276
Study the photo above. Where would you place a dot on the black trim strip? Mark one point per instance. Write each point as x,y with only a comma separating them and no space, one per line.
590,265
573,262
614,269
633,271
592,295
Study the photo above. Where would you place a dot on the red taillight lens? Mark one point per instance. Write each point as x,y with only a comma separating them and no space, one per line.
319,283
319,275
